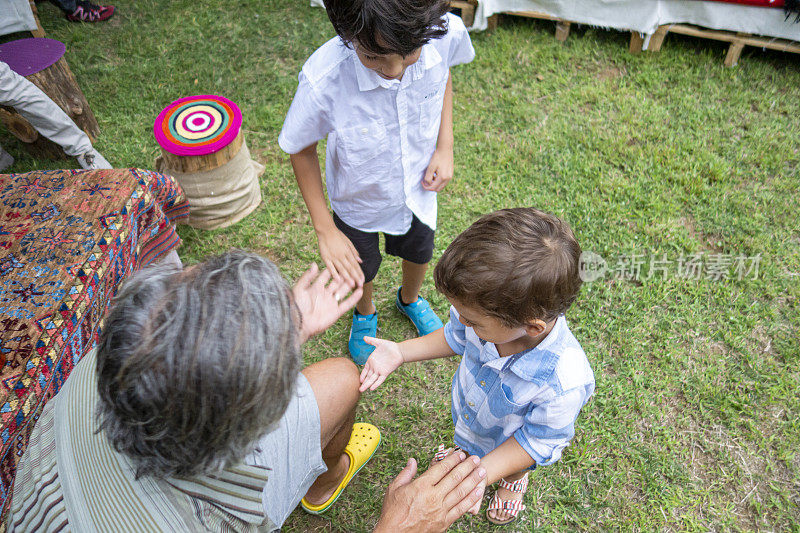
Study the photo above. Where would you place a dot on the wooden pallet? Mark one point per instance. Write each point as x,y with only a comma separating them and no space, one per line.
467,8
562,26
737,41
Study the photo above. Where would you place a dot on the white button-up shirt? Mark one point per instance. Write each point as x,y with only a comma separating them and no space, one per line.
381,133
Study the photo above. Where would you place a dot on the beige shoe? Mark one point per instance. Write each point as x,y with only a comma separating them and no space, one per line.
92,160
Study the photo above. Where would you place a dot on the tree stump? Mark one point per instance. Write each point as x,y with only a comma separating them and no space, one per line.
58,82
42,62
202,147
36,144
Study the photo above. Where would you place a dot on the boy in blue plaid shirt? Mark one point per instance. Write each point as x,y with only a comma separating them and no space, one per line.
523,377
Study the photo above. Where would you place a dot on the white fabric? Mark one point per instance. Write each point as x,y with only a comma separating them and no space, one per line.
43,114
16,15
381,133
645,16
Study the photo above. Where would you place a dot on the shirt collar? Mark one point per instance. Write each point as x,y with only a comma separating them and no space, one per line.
368,79
537,364
236,489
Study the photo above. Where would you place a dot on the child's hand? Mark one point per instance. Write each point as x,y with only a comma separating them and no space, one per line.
386,358
440,170
340,256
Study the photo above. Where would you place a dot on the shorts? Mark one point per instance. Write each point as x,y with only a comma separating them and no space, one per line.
415,246
292,453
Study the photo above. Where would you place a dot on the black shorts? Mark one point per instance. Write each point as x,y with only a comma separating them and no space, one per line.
415,246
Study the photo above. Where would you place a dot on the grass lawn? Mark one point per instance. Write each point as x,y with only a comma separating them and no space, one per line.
696,421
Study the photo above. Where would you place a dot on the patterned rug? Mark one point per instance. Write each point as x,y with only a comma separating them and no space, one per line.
67,240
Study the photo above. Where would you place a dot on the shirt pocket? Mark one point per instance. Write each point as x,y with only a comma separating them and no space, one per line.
431,100
501,405
361,143
430,114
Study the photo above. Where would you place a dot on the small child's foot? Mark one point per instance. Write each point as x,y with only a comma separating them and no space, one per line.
507,501
420,313
363,326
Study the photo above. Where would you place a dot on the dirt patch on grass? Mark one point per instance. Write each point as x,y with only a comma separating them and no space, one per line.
610,73
708,241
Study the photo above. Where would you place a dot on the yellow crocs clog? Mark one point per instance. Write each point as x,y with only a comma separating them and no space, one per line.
364,440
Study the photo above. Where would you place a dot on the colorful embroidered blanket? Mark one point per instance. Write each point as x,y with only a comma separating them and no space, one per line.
67,240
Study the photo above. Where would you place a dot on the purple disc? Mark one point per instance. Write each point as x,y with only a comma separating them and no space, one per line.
29,56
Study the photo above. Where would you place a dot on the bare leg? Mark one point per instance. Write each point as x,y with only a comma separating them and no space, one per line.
335,384
365,305
413,276
507,495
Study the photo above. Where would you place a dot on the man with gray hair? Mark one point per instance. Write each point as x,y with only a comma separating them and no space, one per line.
193,415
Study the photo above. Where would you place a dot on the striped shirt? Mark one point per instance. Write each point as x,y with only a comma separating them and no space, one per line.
71,479
534,396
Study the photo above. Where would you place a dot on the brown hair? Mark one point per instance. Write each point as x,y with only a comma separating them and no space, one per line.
403,25
516,265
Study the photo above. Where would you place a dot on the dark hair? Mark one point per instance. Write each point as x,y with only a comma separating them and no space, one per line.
193,367
516,265
401,25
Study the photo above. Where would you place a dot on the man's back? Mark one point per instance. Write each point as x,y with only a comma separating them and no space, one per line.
71,479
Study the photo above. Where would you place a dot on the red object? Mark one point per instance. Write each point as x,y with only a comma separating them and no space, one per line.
88,12
760,3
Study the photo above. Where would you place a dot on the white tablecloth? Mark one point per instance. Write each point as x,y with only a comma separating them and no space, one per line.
646,15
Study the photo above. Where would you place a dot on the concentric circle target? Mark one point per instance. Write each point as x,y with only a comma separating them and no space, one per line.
197,125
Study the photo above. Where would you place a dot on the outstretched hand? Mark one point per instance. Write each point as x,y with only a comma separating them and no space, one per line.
386,358
436,499
321,303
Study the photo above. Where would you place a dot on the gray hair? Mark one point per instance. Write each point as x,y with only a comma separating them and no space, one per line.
194,366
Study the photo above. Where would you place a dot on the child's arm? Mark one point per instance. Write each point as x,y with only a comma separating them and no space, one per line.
508,458
440,169
338,253
388,356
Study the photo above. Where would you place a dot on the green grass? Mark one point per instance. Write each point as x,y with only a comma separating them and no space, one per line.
696,421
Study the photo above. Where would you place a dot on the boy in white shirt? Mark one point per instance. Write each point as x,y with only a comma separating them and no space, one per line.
381,93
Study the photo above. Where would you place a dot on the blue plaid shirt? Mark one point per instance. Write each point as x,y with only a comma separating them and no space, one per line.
534,396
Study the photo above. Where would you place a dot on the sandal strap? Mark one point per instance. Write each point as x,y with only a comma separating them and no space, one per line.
441,453
519,486
512,507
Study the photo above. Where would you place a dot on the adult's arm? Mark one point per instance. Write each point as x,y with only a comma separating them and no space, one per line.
436,499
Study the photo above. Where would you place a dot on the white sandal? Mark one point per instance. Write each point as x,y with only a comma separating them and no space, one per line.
512,507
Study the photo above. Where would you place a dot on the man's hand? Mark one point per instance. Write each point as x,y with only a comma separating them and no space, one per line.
440,170
340,256
436,499
475,509
386,358
321,303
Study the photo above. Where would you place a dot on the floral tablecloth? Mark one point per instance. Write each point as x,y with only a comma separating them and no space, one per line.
67,240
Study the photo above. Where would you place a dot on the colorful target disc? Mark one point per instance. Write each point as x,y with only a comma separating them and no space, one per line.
197,125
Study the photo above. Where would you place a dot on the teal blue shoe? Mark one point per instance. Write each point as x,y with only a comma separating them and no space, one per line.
363,326
421,314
